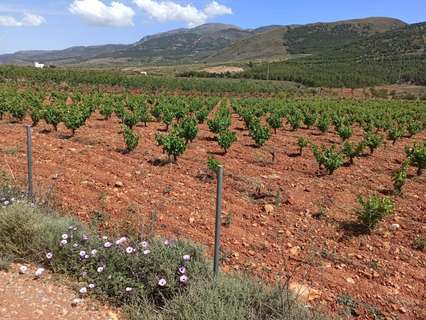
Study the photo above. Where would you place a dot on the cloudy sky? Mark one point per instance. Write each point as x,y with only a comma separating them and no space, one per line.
57,24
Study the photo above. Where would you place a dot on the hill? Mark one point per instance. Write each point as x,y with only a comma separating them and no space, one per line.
215,42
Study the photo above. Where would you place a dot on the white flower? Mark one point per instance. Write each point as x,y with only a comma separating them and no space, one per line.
94,252
82,254
74,229
162,282
129,250
186,257
64,236
128,289
92,286
144,244
100,269
23,269
39,272
120,241
107,244
86,256
183,279
49,255
84,237
63,242
71,227
75,245
83,290
104,238
145,252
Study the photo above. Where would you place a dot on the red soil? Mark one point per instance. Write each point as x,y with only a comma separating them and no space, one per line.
381,269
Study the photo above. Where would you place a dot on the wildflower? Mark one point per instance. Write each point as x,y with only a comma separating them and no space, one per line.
145,252
186,257
167,242
162,282
74,229
100,269
107,244
183,279
49,255
70,227
84,274
63,242
23,269
121,241
82,254
104,238
86,256
182,270
93,252
144,244
128,289
83,290
84,237
92,286
129,250
75,245
39,272
64,236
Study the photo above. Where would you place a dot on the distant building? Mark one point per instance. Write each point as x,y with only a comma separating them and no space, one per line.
38,65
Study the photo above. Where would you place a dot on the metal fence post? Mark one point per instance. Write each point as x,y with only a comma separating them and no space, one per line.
219,197
30,160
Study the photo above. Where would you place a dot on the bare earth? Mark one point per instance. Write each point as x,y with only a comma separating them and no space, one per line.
24,298
380,271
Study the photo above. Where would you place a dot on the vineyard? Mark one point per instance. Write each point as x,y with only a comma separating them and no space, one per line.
329,190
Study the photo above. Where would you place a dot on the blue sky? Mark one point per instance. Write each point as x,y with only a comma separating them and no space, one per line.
57,24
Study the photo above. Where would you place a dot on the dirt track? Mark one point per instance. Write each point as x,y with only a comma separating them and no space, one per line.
381,270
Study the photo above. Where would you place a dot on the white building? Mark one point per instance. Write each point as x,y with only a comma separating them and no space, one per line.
38,65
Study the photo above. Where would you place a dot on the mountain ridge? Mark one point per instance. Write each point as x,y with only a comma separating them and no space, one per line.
216,42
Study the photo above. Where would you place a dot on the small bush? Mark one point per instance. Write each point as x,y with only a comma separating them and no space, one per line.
417,156
130,138
328,158
225,139
399,177
302,143
213,164
260,134
345,133
372,141
419,244
129,273
351,151
374,209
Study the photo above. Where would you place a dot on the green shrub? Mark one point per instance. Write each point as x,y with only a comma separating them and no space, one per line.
173,144
213,164
302,143
274,121
323,123
309,119
219,124
130,138
344,132
399,177
225,139
130,119
395,133
351,151
106,109
28,233
417,156
202,115
53,116
189,129
372,141
260,134
73,118
374,209
295,120
328,158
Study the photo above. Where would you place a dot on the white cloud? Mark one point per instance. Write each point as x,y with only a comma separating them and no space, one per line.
214,9
171,11
29,20
97,13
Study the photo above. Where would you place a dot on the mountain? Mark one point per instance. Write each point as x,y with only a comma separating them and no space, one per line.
219,43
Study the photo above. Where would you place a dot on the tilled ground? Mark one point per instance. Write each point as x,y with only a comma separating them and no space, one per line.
359,274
